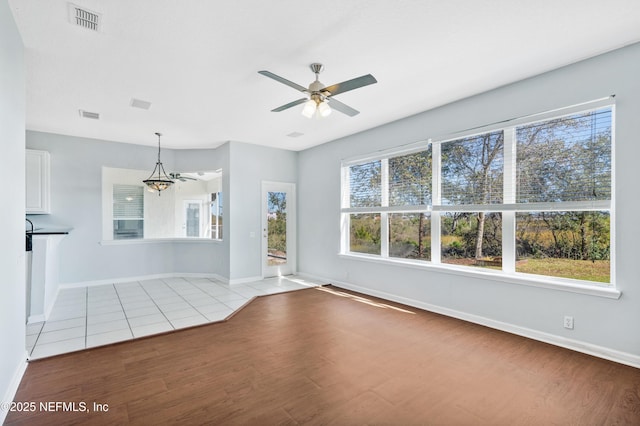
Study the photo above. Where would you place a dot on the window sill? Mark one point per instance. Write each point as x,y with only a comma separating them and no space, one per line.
159,241
560,284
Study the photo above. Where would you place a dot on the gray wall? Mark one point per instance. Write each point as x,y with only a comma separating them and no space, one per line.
12,254
250,165
76,201
612,324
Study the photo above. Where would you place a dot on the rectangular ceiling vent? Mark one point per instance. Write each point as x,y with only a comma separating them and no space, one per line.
84,18
87,114
139,103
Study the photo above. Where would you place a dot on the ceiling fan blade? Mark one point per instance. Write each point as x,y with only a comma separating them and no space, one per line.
283,80
343,108
355,83
290,104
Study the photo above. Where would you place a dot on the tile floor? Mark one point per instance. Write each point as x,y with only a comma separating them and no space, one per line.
87,317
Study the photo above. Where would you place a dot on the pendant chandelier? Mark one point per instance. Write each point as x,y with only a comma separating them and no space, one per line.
158,181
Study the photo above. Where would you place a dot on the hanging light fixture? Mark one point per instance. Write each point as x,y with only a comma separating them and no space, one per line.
160,181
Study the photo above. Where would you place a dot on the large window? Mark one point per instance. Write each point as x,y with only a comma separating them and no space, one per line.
528,198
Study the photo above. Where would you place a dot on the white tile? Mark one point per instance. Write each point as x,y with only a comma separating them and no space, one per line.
175,306
138,305
181,313
214,307
34,328
59,335
109,337
236,304
56,348
132,313
31,340
249,292
66,314
104,309
219,315
230,297
134,298
60,325
165,297
146,330
111,316
203,301
189,321
98,303
188,291
103,327
217,290
146,320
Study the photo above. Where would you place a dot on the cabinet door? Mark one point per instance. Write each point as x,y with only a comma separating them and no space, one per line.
37,182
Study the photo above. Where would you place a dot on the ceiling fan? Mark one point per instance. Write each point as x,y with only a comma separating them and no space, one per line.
181,178
321,96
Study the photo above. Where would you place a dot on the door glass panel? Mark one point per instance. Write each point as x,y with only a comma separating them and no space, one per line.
276,228
193,219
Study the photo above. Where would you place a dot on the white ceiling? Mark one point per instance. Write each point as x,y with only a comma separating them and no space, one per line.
197,61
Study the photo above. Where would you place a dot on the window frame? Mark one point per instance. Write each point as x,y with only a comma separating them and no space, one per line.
508,208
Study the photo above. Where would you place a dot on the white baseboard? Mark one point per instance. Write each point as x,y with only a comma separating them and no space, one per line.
237,281
576,345
13,386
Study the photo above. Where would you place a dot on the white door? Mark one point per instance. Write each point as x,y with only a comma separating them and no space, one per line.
278,229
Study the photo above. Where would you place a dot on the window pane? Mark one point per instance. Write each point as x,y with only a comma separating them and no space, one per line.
472,239
128,201
472,170
564,244
125,229
365,233
364,185
410,235
128,212
410,179
566,159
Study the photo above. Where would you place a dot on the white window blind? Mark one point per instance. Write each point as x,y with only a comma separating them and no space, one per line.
365,182
410,179
472,170
565,160
128,202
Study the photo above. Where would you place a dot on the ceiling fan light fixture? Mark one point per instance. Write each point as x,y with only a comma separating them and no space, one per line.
324,109
158,181
309,108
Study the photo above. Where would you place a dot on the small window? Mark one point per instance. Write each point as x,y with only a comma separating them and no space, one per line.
128,212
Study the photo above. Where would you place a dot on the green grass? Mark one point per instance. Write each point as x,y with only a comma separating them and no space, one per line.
598,271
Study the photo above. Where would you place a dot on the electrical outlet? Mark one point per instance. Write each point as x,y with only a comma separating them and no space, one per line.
568,322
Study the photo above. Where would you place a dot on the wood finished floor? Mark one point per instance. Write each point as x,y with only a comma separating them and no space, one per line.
328,356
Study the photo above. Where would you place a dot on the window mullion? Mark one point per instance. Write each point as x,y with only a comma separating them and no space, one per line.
384,217
509,197
435,196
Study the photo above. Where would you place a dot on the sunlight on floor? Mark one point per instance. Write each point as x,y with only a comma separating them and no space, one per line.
363,300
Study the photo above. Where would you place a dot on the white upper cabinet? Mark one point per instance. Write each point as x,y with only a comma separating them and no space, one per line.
38,182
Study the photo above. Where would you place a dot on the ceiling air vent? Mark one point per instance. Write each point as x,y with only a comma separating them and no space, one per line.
139,103
84,18
295,134
87,114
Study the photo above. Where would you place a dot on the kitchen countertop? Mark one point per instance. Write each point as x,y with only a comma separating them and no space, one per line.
50,231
